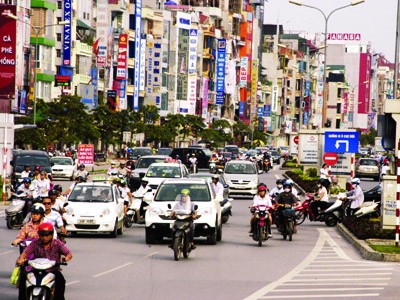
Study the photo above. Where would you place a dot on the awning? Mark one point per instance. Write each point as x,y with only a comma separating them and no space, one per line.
83,25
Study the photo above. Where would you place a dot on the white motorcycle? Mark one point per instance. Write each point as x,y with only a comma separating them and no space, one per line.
133,214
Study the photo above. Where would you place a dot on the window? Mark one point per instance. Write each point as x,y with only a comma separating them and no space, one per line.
59,37
59,20
59,4
58,51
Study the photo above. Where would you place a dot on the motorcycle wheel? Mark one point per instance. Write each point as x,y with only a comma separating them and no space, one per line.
186,248
9,223
346,209
177,247
330,221
290,230
300,217
128,221
260,235
225,218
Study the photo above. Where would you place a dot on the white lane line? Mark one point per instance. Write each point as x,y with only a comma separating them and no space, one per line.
369,284
151,254
341,274
112,270
340,279
347,270
4,253
320,296
71,283
276,176
328,289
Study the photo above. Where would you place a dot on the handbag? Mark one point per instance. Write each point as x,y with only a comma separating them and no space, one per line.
14,280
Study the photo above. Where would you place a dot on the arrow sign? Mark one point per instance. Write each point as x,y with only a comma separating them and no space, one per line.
345,142
341,141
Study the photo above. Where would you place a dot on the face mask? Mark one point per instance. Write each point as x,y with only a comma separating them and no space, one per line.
287,190
279,186
319,185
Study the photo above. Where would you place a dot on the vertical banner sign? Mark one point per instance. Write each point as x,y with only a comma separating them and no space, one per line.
112,100
138,30
204,105
94,74
220,78
157,64
192,51
149,64
67,33
243,71
254,81
8,37
102,32
192,85
121,91
31,73
86,154
241,108
274,105
22,103
142,79
122,56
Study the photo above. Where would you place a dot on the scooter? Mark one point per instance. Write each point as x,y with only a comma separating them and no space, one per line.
212,166
368,209
335,213
15,213
193,168
261,226
226,209
304,210
40,283
133,214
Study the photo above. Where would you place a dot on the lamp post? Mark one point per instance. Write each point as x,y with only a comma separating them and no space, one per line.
326,17
37,30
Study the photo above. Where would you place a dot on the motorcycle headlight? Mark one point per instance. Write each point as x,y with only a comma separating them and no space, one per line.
205,211
156,211
31,278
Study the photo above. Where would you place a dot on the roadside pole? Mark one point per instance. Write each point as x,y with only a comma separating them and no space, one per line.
398,196
4,196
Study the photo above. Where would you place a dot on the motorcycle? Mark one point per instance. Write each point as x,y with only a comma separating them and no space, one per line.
40,283
336,212
15,213
212,166
261,226
304,210
369,209
133,214
287,227
226,209
266,165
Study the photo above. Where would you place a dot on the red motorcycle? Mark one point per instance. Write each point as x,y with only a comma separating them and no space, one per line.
304,210
261,225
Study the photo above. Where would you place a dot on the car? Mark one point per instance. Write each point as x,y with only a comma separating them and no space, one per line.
242,177
208,222
95,207
262,149
203,155
284,151
142,166
164,151
364,151
373,194
32,158
233,149
368,168
157,172
276,157
209,176
63,167
140,151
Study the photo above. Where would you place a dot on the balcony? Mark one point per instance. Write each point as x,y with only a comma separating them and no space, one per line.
83,79
392,106
129,89
83,49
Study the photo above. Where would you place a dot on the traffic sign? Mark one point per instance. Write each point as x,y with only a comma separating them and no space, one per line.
330,158
341,141
296,140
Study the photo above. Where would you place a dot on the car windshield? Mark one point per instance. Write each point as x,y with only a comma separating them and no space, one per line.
145,162
164,171
274,153
32,160
91,194
238,168
62,161
169,192
142,152
207,152
164,151
368,162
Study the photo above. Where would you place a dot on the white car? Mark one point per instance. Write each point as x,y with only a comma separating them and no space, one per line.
63,167
208,222
142,166
157,172
242,177
95,207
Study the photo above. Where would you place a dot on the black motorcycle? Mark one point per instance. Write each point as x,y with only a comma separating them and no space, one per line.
287,225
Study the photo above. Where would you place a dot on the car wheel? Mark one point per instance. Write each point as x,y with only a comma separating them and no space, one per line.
120,231
149,236
114,233
219,233
212,238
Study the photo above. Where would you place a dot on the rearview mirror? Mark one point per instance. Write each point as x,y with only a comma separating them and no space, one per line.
148,197
169,206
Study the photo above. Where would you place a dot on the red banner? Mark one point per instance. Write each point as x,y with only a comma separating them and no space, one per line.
8,36
122,56
86,154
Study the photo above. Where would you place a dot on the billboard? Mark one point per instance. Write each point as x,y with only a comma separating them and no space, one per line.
220,78
122,56
138,30
67,34
102,32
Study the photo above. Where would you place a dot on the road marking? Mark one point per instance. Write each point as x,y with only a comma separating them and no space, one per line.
71,283
112,270
339,274
329,289
351,269
339,279
320,296
4,253
341,283
151,254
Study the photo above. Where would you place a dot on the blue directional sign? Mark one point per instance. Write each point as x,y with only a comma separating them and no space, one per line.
341,142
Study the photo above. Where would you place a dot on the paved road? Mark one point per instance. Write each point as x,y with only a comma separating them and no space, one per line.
318,264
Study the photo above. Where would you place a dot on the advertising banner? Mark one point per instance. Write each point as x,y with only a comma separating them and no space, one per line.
254,81
157,64
122,56
192,51
8,37
230,77
274,104
67,34
138,30
94,74
241,108
112,100
205,98
142,75
220,77
86,154
22,103
308,149
86,92
149,64
192,84
243,71
123,104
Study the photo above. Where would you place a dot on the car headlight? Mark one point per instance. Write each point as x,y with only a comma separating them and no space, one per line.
69,211
155,211
106,212
205,211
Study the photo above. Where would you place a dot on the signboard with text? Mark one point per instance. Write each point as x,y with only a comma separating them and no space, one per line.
67,34
341,141
308,149
86,154
343,165
122,56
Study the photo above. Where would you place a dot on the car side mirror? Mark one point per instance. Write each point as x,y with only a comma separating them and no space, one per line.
12,163
52,163
65,204
220,171
148,197
169,206
226,186
196,207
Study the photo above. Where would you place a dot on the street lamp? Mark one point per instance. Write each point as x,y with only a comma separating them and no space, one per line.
37,30
326,17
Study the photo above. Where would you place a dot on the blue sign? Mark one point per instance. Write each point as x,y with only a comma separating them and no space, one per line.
259,111
220,78
138,36
95,79
67,33
305,120
307,91
241,108
341,142
267,110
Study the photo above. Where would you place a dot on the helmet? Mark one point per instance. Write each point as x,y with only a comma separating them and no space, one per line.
116,180
58,188
80,178
26,180
81,166
279,181
289,181
215,177
38,208
286,184
113,163
355,181
123,182
185,192
53,192
46,228
37,168
193,154
27,166
262,188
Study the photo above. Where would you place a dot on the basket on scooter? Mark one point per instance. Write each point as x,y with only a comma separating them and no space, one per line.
288,212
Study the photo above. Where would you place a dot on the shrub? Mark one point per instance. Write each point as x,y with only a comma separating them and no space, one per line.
312,172
367,228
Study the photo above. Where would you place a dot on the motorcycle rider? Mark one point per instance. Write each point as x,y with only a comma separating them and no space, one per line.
112,169
242,156
218,187
321,200
278,189
78,179
122,170
36,173
57,204
42,185
184,203
286,198
262,198
45,247
126,195
144,188
27,170
130,164
82,172
53,216
193,162
356,195
30,229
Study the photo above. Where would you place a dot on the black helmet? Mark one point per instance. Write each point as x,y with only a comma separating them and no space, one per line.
26,180
58,188
279,181
81,166
287,184
38,208
80,178
53,192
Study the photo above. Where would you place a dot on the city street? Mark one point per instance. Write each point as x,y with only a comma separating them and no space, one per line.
318,264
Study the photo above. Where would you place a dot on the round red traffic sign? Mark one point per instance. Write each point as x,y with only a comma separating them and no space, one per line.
296,140
330,158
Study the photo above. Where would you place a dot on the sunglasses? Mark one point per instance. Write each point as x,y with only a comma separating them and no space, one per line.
46,203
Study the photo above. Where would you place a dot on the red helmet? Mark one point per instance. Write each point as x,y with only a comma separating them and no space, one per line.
46,228
262,188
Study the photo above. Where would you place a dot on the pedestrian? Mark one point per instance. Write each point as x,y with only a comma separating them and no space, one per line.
325,176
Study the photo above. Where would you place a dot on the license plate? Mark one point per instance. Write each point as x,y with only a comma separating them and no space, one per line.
240,186
86,221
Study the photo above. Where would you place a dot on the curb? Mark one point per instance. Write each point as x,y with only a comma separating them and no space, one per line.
366,251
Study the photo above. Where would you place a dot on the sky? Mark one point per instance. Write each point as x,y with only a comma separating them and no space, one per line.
375,20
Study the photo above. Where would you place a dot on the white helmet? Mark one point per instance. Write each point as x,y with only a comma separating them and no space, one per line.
355,181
